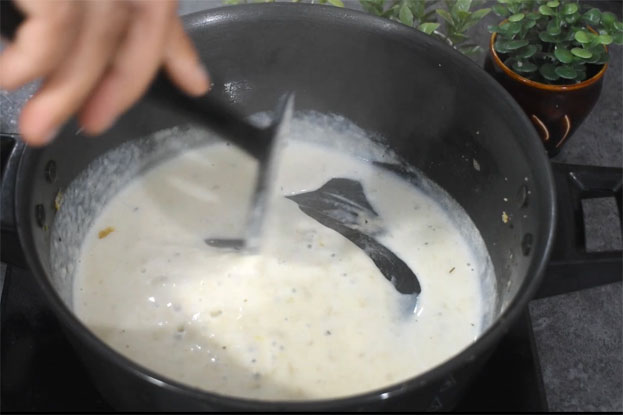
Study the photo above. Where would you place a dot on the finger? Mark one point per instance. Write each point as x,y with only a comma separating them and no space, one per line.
135,65
182,63
70,84
40,42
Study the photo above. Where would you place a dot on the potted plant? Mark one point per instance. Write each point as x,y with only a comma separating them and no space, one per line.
551,55
448,20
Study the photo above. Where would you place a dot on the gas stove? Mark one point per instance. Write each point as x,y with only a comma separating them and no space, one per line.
40,371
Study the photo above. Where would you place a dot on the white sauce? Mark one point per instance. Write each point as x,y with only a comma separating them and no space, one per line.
310,316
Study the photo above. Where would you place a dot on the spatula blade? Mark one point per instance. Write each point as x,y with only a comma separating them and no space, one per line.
267,152
267,171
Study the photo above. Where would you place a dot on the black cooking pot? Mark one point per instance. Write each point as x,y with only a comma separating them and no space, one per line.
436,109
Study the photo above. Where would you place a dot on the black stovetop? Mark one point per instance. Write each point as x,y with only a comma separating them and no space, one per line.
40,371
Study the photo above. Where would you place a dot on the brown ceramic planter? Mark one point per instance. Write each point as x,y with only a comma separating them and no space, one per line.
555,110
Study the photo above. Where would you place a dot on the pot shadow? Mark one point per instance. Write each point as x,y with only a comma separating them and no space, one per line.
192,198
188,356
186,195
192,195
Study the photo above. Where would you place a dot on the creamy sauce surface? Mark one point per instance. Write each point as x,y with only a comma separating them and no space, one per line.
310,316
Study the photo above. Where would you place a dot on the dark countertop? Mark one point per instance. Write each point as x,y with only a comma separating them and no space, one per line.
578,335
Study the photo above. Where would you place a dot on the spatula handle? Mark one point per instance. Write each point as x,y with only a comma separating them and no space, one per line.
212,113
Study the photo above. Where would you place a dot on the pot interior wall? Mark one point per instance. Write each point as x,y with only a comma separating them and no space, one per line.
435,108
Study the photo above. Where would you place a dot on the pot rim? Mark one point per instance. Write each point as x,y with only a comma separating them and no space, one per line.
463,357
539,85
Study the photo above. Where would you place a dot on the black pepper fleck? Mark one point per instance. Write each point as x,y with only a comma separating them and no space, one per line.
327,333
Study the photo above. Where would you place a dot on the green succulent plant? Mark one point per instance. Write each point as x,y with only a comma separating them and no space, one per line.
554,41
450,23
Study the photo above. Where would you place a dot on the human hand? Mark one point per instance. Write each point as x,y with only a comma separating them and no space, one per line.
96,59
